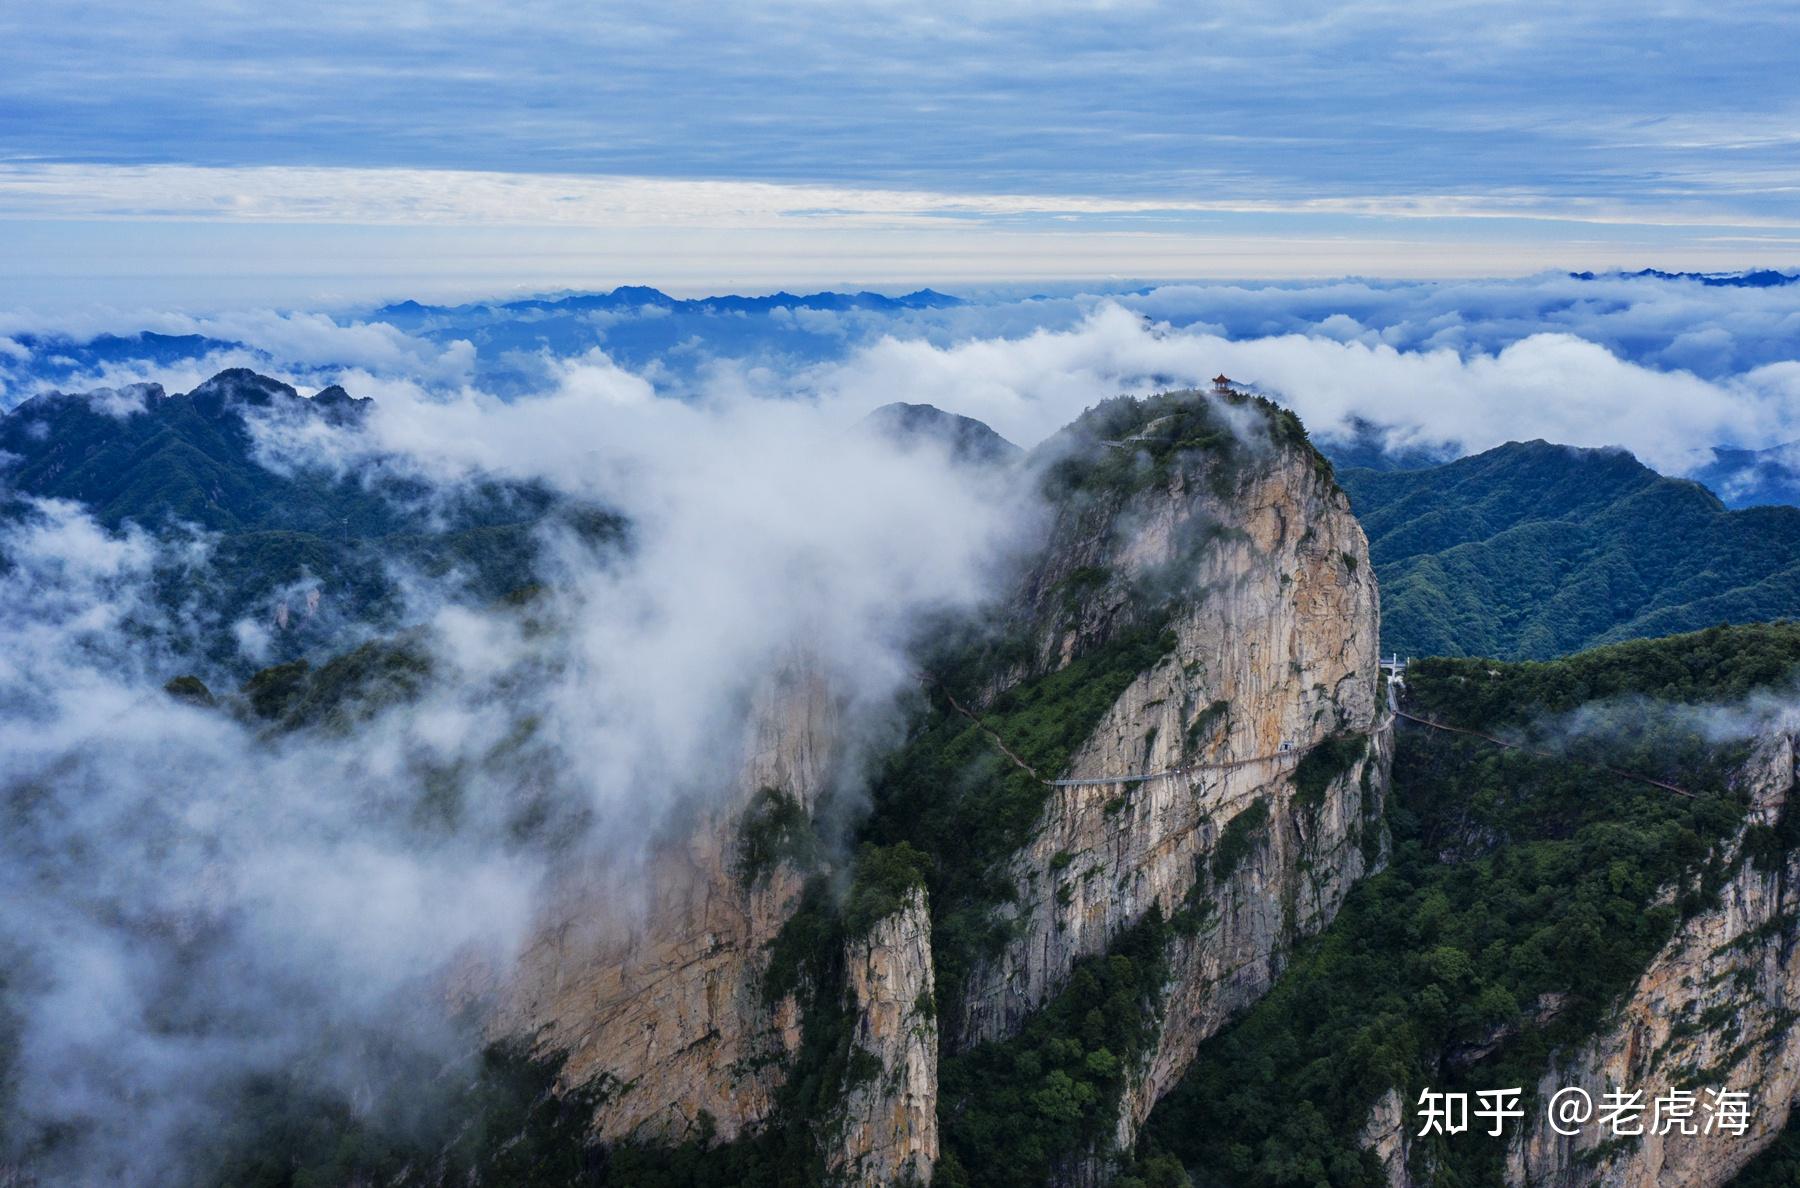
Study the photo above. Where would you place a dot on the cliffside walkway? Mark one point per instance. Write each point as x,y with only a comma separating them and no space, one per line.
1173,772
1101,781
1296,753
1513,746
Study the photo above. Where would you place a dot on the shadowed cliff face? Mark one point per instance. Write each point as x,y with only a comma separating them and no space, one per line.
652,985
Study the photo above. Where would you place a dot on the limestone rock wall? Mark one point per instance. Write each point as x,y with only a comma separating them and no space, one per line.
1386,1134
1275,652
652,979
1717,1005
889,1132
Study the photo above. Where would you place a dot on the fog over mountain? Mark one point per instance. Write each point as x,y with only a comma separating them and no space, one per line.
1071,594
203,895
579,787
1666,366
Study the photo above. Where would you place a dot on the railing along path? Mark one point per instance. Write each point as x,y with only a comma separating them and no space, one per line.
1192,768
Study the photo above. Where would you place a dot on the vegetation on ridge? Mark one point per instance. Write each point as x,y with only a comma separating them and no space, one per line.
178,464
1128,443
1533,550
1014,1110
953,795
1522,899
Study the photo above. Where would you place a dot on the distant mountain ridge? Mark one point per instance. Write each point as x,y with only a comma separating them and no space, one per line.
632,297
966,439
1533,550
639,327
1754,478
1752,278
1362,444
1739,477
140,453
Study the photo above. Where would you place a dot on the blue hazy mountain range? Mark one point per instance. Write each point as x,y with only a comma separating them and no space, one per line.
1373,354
637,297
1756,278
1754,478
638,326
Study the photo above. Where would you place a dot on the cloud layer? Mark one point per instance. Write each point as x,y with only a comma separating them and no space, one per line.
193,900
865,142
1141,99
1665,368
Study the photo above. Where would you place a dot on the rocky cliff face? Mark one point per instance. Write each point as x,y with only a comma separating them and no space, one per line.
1387,1136
1275,652
1715,1008
1268,749
889,1132
656,988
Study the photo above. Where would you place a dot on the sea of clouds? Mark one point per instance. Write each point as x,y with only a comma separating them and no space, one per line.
1666,368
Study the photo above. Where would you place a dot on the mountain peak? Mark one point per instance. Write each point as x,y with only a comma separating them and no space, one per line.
967,439
239,386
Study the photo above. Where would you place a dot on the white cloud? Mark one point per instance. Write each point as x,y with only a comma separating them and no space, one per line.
384,196
288,876
1554,386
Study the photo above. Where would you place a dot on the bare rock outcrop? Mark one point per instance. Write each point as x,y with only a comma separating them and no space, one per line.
1386,1134
1716,1008
654,988
1275,653
889,1130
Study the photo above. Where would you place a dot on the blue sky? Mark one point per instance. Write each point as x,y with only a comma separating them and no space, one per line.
257,151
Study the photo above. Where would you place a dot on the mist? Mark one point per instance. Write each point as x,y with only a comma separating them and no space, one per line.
197,899
1666,368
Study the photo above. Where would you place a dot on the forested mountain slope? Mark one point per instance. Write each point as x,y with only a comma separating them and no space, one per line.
313,552
1543,922
1533,550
